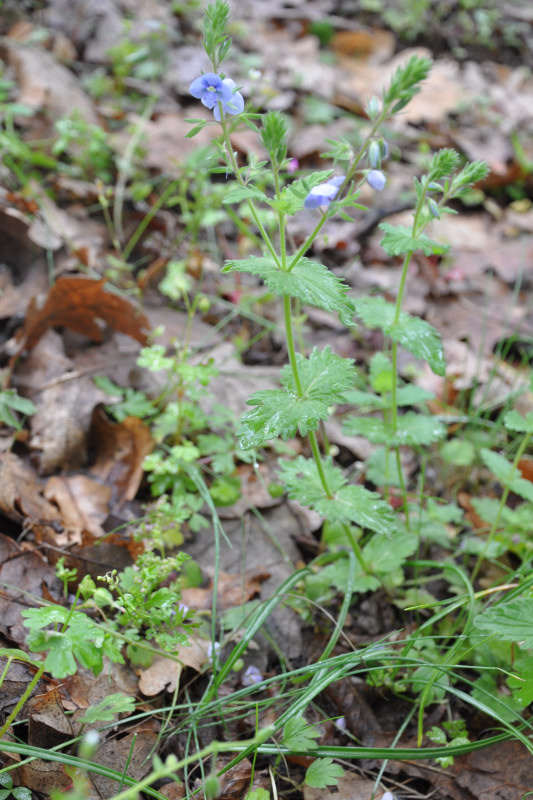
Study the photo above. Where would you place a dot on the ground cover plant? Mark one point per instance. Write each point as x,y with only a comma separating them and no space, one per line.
413,580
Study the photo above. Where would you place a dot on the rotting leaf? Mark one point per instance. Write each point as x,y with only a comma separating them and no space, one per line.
24,574
120,449
20,493
83,504
233,590
77,303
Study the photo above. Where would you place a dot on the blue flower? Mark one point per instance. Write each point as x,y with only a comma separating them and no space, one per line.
376,179
324,193
211,89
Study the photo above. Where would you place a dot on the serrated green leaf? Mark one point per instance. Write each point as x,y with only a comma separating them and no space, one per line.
323,772
347,504
522,685
412,395
311,282
413,429
503,469
510,621
106,709
514,421
383,554
240,193
365,399
416,335
459,452
299,735
399,239
281,412
292,197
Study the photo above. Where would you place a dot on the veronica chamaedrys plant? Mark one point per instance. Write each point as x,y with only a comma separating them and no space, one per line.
311,384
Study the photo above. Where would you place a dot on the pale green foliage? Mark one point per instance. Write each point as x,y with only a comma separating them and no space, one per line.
323,772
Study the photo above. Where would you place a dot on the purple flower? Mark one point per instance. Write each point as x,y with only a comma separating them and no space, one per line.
251,676
211,89
376,179
324,193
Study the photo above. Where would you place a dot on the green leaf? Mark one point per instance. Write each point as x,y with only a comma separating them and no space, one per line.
413,429
459,452
522,685
281,412
405,82
22,793
106,709
299,735
514,421
504,471
309,281
347,504
399,239
323,772
383,554
416,335
292,197
239,193
365,399
509,621
258,794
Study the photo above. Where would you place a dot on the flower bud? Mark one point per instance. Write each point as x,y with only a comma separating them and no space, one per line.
434,210
374,154
376,180
373,107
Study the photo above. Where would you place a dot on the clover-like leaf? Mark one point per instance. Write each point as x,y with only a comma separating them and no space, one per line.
312,283
416,335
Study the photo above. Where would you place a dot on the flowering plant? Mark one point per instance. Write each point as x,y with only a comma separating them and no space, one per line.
311,384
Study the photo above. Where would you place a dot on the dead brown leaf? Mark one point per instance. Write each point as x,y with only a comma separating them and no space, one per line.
24,574
162,675
233,590
48,724
83,505
77,303
44,776
120,449
21,496
350,787
132,751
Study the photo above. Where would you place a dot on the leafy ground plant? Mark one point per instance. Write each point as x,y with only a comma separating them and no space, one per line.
468,651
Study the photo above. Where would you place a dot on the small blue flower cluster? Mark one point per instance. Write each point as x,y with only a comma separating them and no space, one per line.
211,89
221,95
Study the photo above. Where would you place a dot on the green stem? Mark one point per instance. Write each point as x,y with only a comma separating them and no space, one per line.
27,694
287,308
236,171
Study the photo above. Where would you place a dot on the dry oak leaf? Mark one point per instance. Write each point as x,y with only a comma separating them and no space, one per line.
77,303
